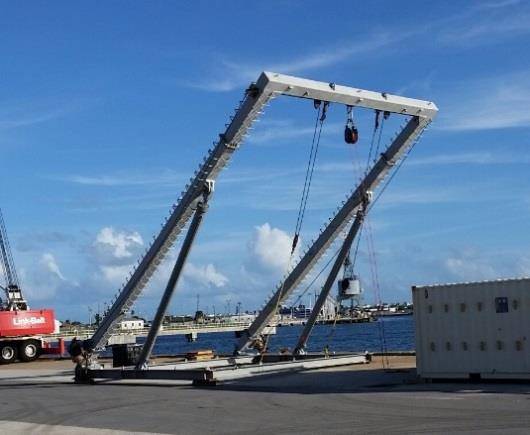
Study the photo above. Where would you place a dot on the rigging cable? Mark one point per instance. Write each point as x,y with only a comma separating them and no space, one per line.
357,169
377,292
321,117
356,251
378,125
371,250
317,133
355,256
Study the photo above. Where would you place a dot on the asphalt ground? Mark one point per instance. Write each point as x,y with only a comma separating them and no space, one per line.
41,398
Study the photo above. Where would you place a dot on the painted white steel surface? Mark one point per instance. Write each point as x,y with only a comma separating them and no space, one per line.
305,88
467,328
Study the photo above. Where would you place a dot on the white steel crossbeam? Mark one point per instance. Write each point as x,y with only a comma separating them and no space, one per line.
304,88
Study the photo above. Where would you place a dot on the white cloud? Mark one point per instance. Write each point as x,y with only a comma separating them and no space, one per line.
492,29
496,4
113,254
44,281
50,264
115,275
472,264
523,266
270,248
206,275
126,179
495,103
279,132
26,113
117,244
484,158
485,23
470,269
241,74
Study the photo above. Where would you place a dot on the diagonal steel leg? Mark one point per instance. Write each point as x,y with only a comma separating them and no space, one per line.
202,207
324,293
401,143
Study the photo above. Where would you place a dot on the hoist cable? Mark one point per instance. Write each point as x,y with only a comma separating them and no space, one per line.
358,169
372,258
369,236
308,171
321,117
392,175
372,141
303,209
356,252
377,292
371,250
379,139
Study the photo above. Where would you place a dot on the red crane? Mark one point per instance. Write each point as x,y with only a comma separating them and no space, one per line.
20,327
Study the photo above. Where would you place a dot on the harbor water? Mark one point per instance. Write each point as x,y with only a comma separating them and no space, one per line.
388,333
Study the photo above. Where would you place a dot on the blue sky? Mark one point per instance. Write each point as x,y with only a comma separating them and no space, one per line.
106,108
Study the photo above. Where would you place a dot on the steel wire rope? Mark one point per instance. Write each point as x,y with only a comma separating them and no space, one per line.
372,203
369,236
322,119
307,182
379,139
319,122
377,293
356,251
357,168
381,326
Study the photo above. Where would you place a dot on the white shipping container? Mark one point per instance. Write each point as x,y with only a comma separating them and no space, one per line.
476,330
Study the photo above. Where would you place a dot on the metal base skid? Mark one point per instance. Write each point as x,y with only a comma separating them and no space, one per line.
226,369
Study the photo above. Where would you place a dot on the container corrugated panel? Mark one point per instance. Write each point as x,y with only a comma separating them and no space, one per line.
476,329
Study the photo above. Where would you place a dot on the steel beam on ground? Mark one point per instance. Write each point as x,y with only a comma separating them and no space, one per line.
213,375
229,374
216,362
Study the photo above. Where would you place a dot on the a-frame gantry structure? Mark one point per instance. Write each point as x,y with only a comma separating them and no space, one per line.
192,205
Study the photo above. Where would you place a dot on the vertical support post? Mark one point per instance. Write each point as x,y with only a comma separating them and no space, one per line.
324,293
202,207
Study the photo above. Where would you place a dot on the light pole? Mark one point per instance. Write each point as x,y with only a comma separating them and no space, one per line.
89,316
